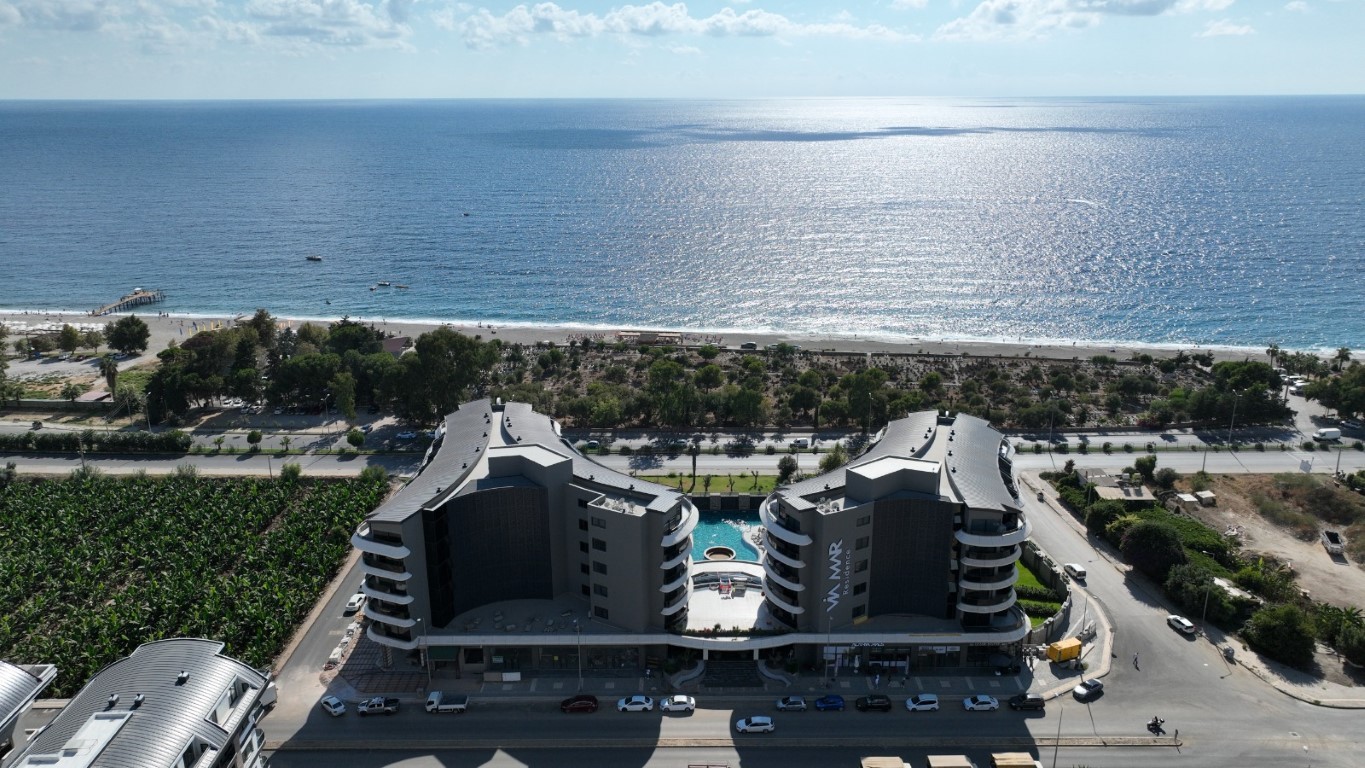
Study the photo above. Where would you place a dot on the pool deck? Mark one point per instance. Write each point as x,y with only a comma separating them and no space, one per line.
743,608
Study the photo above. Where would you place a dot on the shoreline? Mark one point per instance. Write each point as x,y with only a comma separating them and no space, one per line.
180,326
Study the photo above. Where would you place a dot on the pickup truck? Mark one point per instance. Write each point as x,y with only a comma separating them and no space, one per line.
1332,542
377,706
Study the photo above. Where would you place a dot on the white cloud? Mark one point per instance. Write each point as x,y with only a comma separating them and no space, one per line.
350,23
482,28
685,50
1226,28
908,4
1025,19
1297,6
69,15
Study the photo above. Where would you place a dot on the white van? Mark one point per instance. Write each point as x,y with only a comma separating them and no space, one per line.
801,442
1327,434
1075,571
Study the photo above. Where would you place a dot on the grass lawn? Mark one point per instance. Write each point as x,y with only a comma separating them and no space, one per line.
1027,577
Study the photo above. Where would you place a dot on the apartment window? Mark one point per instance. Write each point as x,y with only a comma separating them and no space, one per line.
599,545
582,525
860,566
583,547
599,568
598,522
860,589
600,612
584,589
583,503
863,542
865,520
600,590
583,568
859,611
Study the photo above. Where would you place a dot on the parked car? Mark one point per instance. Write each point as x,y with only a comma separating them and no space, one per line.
1075,571
440,701
356,602
1087,690
580,703
333,706
759,724
406,435
378,705
791,704
832,701
874,701
1028,701
1180,624
980,703
678,703
635,704
593,445
922,702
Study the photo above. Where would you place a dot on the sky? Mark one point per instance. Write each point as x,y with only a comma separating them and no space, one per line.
293,49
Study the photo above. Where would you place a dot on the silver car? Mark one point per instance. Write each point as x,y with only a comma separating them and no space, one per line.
791,704
759,724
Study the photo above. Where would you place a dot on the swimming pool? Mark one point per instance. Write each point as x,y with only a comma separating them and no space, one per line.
727,529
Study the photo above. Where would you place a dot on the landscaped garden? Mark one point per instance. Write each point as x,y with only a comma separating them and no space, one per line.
93,566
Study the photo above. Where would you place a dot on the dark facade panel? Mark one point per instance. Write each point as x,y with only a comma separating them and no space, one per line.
912,548
500,547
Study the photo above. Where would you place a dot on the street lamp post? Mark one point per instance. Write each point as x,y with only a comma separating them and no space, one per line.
578,630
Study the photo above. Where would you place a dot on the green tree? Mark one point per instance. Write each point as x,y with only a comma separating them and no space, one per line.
1282,632
92,340
1351,643
343,391
108,368
70,392
1193,589
708,377
128,334
1146,466
290,473
837,457
1153,548
356,438
1166,477
218,443
69,339
253,439
1342,357
786,468
708,352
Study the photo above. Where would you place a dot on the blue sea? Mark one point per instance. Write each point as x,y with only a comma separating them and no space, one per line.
1218,221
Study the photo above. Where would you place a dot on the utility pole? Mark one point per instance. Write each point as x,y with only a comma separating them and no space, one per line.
1056,745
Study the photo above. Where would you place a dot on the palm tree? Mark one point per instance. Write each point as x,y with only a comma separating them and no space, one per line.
1273,351
71,392
109,370
1343,357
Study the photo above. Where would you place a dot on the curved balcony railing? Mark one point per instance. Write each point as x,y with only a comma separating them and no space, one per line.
975,602
777,554
780,526
775,574
772,596
677,559
361,540
402,622
685,528
375,593
676,581
985,537
379,634
369,569
679,604
989,579
989,557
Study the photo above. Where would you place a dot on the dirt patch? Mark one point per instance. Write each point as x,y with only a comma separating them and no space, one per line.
1281,516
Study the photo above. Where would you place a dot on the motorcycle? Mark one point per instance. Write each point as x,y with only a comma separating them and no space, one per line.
1154,725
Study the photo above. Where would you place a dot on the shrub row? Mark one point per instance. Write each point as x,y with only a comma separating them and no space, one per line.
94,441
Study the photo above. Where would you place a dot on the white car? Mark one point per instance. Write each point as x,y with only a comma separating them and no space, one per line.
333,706
1180,624
678,703
635,704
759,724
980,703
356,602
922,702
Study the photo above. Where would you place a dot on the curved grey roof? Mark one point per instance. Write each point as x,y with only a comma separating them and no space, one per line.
157,731
18,687
979,479
462,443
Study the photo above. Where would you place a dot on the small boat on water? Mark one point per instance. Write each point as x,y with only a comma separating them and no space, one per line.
313,257
400,285
384,283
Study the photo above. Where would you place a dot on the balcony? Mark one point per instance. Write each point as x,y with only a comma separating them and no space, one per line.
363,541
782,576
782,526
988,579
675,578
775,551
976,602
679,604
401,639
392,618
383,567
994,534
685,527
989,557
773,596
376,591
681,556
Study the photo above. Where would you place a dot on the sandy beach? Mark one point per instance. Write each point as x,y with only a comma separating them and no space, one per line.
166,328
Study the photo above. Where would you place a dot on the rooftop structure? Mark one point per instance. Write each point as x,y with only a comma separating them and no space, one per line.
172,704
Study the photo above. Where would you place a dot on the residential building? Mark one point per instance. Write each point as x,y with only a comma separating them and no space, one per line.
19,686
172,704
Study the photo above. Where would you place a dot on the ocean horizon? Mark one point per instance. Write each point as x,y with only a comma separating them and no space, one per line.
1226,223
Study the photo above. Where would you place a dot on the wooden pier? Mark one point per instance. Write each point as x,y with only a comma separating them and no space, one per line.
135,299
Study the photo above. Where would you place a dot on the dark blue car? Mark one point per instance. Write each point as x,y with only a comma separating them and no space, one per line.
829,702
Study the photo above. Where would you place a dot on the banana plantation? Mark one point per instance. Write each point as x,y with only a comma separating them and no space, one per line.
93,566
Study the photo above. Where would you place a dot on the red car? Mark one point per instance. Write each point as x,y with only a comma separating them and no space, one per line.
583,703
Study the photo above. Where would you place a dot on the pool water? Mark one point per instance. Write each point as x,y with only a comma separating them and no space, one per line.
727,529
